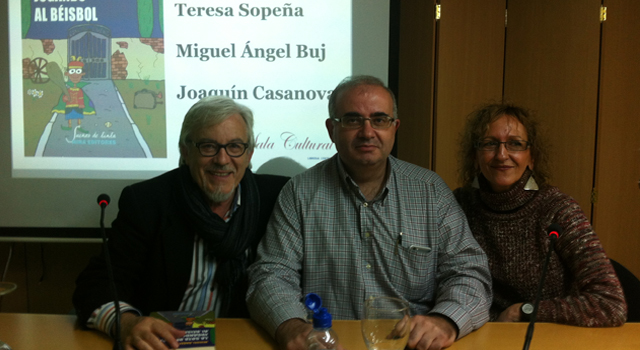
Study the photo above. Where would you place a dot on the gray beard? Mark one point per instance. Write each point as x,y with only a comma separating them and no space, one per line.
218,196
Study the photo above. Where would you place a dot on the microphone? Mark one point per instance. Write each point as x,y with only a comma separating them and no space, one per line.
103,202
553,231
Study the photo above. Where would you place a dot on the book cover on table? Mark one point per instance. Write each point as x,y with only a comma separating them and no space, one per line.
200,327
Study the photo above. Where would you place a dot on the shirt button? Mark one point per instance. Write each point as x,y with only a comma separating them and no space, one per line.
365,204
367,234
368,266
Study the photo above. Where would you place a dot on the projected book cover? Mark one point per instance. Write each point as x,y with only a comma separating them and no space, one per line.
99,89
93,79
200,327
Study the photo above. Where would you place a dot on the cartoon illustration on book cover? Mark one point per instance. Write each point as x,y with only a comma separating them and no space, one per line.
74,103
93,79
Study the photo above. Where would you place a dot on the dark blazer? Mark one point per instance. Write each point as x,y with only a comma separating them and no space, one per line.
151,248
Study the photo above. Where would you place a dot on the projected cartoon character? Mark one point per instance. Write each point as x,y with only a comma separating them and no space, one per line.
74,103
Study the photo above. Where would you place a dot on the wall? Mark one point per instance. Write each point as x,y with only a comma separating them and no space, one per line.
45,274
578,74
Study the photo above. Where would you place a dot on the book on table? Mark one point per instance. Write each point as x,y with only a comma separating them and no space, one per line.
200,327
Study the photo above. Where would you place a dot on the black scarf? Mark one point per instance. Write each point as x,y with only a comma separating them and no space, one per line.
225,241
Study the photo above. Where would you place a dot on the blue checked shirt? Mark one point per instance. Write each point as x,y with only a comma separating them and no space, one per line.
325,238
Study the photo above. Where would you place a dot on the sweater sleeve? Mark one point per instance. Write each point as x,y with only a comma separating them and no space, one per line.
596,298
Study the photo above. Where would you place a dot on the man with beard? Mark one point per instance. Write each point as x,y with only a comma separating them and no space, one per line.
183,240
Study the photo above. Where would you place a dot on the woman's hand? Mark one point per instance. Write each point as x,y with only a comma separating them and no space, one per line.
510,314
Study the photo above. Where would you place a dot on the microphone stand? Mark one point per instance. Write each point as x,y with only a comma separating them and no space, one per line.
117,344
527,339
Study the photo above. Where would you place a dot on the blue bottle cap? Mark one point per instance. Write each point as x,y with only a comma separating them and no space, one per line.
322,318
313,302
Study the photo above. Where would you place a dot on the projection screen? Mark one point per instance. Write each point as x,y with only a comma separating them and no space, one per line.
97,90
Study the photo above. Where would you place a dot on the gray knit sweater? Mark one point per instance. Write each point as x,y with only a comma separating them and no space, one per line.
581,287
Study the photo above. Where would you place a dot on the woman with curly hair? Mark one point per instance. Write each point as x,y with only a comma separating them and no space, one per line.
509,205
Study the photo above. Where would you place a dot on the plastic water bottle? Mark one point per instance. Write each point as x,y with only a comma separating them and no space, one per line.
322,336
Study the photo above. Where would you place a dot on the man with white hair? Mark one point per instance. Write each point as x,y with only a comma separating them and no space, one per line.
183,240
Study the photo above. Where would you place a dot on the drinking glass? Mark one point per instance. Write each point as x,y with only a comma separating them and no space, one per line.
386,323
7,287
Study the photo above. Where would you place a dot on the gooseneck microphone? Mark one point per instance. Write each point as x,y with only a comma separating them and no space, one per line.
553,231
103,202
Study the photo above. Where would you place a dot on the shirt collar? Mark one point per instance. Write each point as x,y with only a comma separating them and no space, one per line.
237,201
353,186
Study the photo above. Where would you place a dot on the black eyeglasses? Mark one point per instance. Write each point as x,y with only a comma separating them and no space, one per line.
511,145
210,149
356,122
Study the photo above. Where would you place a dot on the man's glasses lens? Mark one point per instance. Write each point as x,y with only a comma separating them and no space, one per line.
210,149
356,122
511,145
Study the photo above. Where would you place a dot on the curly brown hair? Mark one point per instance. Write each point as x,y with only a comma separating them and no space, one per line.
476,127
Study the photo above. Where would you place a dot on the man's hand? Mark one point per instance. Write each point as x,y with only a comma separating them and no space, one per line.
510,314
292,334
431,333
143,333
